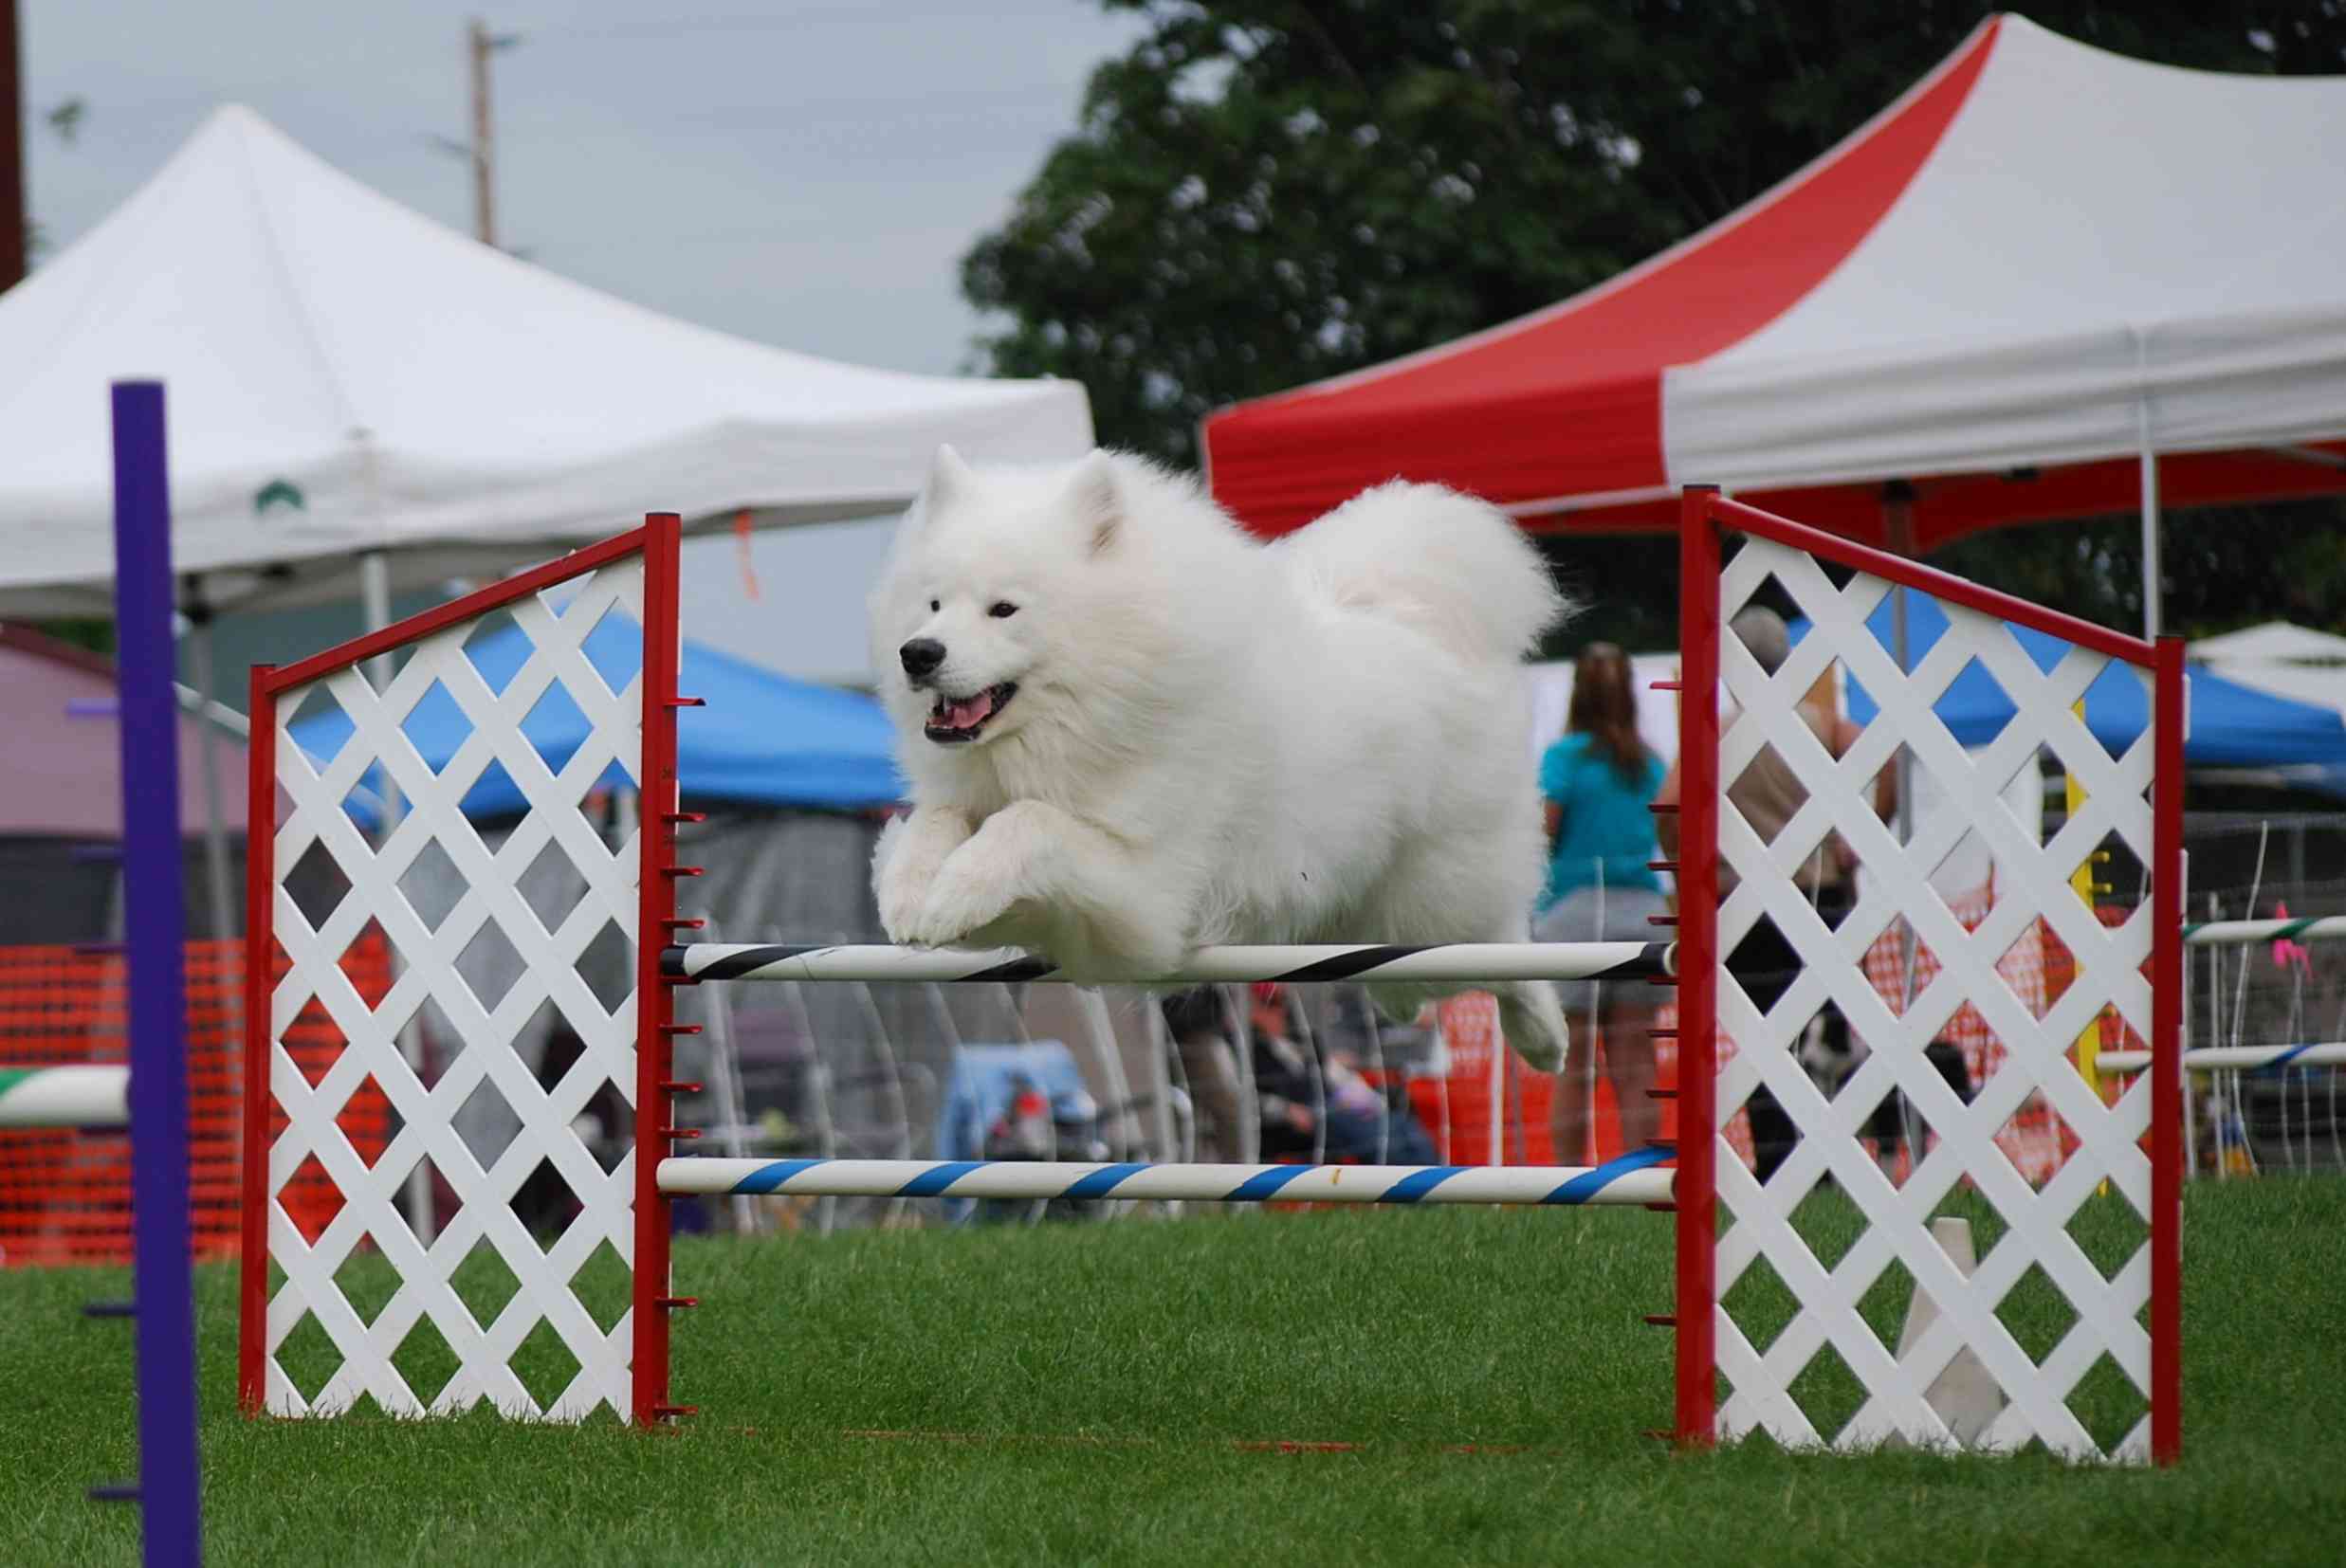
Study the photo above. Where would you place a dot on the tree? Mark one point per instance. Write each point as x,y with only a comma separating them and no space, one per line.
1263,193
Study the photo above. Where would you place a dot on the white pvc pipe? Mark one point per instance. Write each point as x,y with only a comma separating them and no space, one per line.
1497,1132
2149,456
1634,1180
64,1097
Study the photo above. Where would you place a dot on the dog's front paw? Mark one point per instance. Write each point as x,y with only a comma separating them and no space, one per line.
906,862
900,896
958,907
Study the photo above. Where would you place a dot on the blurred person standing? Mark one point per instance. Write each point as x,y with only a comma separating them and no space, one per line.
1596,781
1768,794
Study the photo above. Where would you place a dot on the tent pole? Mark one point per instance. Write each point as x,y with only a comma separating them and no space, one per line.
215,817
2149,526
2151,618
374,603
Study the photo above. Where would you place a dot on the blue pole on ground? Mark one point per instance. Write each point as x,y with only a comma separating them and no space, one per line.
154,924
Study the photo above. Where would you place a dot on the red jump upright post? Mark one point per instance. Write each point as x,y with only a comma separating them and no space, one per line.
1697,882
2170,716
656,1012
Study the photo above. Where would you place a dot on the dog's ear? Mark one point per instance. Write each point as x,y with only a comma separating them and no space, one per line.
947,475
1096,505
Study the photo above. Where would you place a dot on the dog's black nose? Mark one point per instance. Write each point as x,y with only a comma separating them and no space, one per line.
921,655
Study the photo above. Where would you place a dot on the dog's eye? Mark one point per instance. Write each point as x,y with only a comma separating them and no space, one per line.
935,605
1001,610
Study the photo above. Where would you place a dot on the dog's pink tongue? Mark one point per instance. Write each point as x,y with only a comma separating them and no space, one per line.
969,710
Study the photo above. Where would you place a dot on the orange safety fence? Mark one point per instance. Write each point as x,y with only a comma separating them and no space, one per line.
65,1193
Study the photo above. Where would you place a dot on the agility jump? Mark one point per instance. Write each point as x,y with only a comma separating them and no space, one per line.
1729,710
1631,1180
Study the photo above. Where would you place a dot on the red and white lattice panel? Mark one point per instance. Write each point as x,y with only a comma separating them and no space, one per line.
1943,1234
469,814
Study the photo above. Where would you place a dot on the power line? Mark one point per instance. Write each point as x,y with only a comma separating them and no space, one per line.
686,26
806,110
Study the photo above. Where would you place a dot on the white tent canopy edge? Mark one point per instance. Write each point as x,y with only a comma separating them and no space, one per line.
347,376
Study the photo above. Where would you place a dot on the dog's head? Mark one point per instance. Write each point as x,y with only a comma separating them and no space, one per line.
982,617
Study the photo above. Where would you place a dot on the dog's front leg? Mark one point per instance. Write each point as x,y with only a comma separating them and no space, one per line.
1032,870
906,862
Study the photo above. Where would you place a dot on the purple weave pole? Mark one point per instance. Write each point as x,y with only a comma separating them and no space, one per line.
156,926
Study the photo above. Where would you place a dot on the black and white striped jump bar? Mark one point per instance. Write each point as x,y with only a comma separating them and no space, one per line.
1446,962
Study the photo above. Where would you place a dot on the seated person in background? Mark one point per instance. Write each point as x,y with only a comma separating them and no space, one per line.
1197,1022
1310,1102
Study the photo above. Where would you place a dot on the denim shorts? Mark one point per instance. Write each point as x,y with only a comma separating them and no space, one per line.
1612,915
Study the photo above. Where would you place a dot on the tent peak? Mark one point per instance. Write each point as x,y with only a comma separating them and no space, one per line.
2043,258
348,374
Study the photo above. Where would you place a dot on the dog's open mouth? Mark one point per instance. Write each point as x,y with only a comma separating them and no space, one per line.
955,720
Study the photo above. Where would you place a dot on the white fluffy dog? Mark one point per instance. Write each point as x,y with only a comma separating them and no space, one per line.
1132,730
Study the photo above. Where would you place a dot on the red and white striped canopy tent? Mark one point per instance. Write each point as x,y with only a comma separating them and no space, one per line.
2040,264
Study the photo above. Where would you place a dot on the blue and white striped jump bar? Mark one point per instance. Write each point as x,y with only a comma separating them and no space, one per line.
2232,1058
1634,1179
1446,962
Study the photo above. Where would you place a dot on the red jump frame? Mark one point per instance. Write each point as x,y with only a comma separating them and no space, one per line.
1705,517
656,542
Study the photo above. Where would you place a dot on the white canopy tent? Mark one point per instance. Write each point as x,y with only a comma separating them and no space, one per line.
349,379
2288,661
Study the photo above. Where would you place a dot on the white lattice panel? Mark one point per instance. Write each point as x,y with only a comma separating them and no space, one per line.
1782,1383
542,1296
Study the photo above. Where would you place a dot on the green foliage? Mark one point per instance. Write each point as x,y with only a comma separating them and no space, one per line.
90,631
2221,567
1261,195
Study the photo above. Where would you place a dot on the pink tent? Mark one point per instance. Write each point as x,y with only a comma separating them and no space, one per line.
64,774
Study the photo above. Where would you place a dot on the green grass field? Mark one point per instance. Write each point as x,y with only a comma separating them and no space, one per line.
1103,1387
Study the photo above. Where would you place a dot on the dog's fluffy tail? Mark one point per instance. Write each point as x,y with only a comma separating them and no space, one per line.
1456,568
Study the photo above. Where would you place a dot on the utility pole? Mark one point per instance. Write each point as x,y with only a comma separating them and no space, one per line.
479,45
12,246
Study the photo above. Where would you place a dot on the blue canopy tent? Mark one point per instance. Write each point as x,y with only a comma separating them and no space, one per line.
2231,725
763,739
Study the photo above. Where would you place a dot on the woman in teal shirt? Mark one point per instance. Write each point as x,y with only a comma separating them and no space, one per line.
1597,781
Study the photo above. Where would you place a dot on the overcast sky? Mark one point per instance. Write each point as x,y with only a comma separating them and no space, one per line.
807,174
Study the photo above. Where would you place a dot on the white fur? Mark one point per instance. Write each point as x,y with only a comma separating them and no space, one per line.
1212,740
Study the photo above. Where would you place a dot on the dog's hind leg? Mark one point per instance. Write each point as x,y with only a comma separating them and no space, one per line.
1530,1015
1532,1020
1445,894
